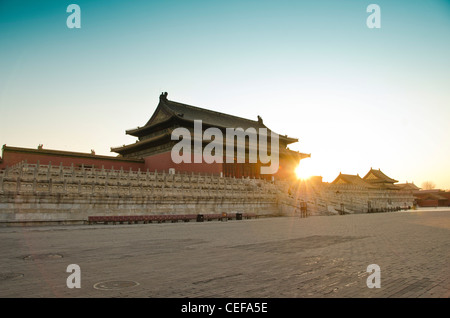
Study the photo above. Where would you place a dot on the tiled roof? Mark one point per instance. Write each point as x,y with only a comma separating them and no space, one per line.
379,175
431,196
407,186
352,179
208,117
141,143
63,153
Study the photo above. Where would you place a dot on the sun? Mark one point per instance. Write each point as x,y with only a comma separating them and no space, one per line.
303,171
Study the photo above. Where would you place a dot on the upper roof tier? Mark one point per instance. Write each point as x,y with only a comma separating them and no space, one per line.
168,109
377,176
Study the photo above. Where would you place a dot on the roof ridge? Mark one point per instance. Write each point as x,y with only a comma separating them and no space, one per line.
64,153
213,111
351,175
185,112
381,174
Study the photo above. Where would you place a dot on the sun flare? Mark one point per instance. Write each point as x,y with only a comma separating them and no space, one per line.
303,171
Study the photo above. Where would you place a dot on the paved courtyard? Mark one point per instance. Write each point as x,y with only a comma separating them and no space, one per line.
320,257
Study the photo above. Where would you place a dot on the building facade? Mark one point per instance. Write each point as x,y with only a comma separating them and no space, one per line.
155,142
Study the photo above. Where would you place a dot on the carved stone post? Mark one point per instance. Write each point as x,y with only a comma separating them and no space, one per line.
18,185
172,187
20,169
34,186
84,173
48,170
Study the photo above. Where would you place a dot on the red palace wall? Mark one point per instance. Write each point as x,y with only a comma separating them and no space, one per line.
11,158
160,162
428,203
163,162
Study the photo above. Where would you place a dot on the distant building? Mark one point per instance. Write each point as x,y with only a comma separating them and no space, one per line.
378,179
354,180
432,198
15,155
374,179
375,192
407,186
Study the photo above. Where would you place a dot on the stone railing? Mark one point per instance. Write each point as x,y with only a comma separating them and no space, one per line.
55,192
326,199
354,199
47,179
32,193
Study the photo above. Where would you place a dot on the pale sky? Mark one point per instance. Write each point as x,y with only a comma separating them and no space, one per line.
355,97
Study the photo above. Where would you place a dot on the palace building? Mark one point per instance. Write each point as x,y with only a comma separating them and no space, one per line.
374,179
154,144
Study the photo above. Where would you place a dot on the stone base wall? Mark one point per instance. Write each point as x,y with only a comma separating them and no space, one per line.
325,199
74,208
32,193
44,193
